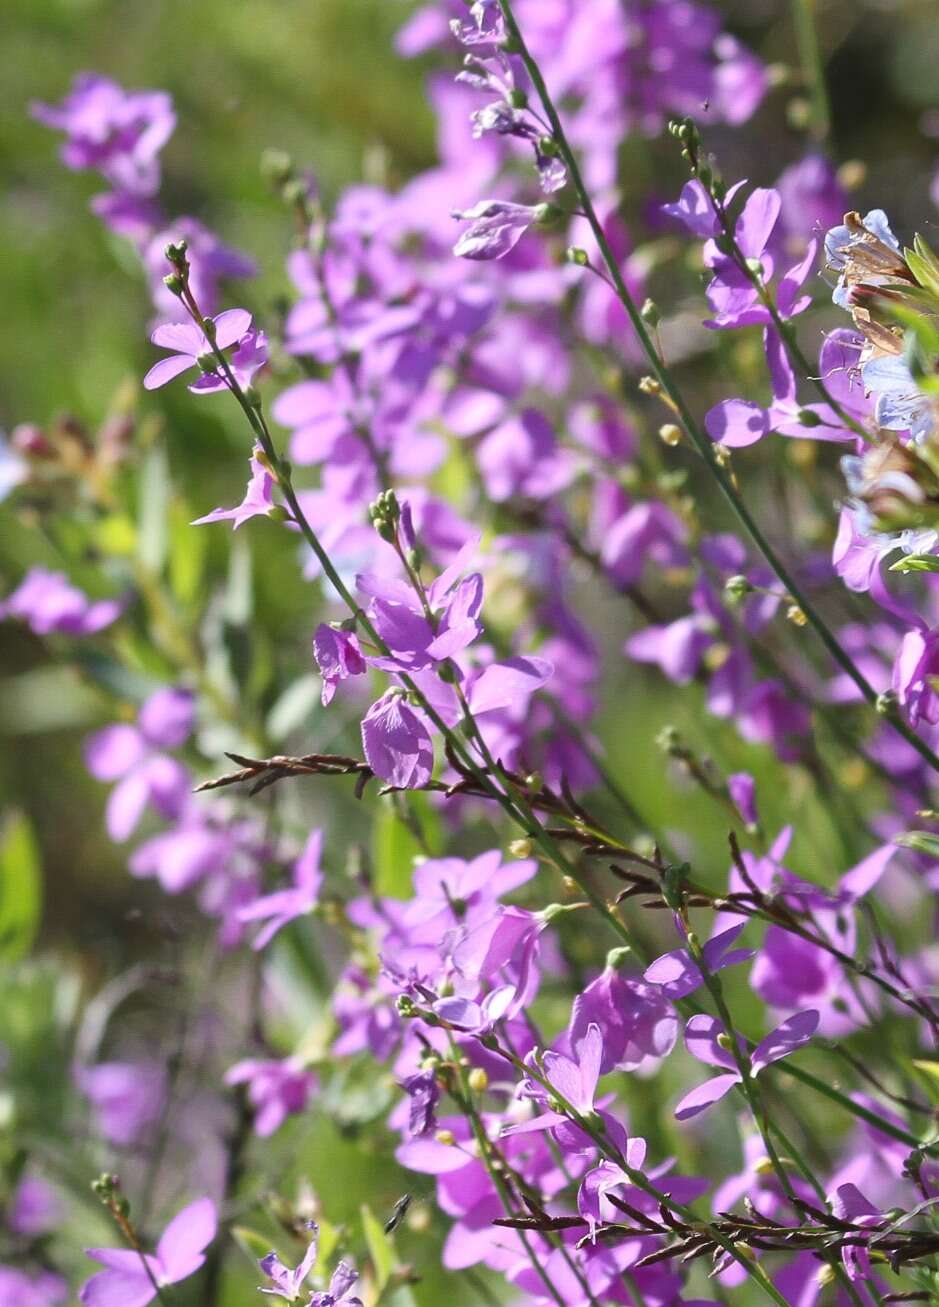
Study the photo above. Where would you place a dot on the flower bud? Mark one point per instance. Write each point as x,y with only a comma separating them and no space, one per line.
650,313
520,848
670,434
886,703
737,588
446,1137
795,615
578,256
649,386
173,283
547,216
175,252
478,1080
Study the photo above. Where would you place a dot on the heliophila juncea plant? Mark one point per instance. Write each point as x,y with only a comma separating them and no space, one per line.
449,923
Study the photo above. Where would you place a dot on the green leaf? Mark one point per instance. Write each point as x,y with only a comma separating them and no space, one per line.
920,841
295,706
394,848
380,1249
116,536
916,563
188,548
929,1072
153,509
20,887
253,1245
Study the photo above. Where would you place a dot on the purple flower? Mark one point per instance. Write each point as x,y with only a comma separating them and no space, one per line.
18,1288
284,906
131,755
731,293
128,1278
914,670
341,1281
258,500
289,1284
127,1098
638,1024
48,603
418,642
496,227
849,1204
737,423
34,1208
338,655
191,348
397,744
742,790
705,1039
679,975
118,132
276,1089
423,1090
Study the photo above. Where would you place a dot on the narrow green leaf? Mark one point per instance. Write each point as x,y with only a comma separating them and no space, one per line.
153,509
188,548
916,563
380,1249
252,1244
294,707
394,849
920,841
20,887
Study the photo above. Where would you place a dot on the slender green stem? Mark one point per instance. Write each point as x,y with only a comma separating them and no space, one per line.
698,437
813,67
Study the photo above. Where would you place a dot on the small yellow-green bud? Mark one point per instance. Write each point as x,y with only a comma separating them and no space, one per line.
520,848
795,615
670,434
737,588
446,1137
478,1080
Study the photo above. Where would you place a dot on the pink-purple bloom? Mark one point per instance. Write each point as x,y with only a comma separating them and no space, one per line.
276,1089
283,906
191,348
133,1279
48,603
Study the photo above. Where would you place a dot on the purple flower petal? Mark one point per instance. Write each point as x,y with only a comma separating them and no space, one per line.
793,1033
705,1095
